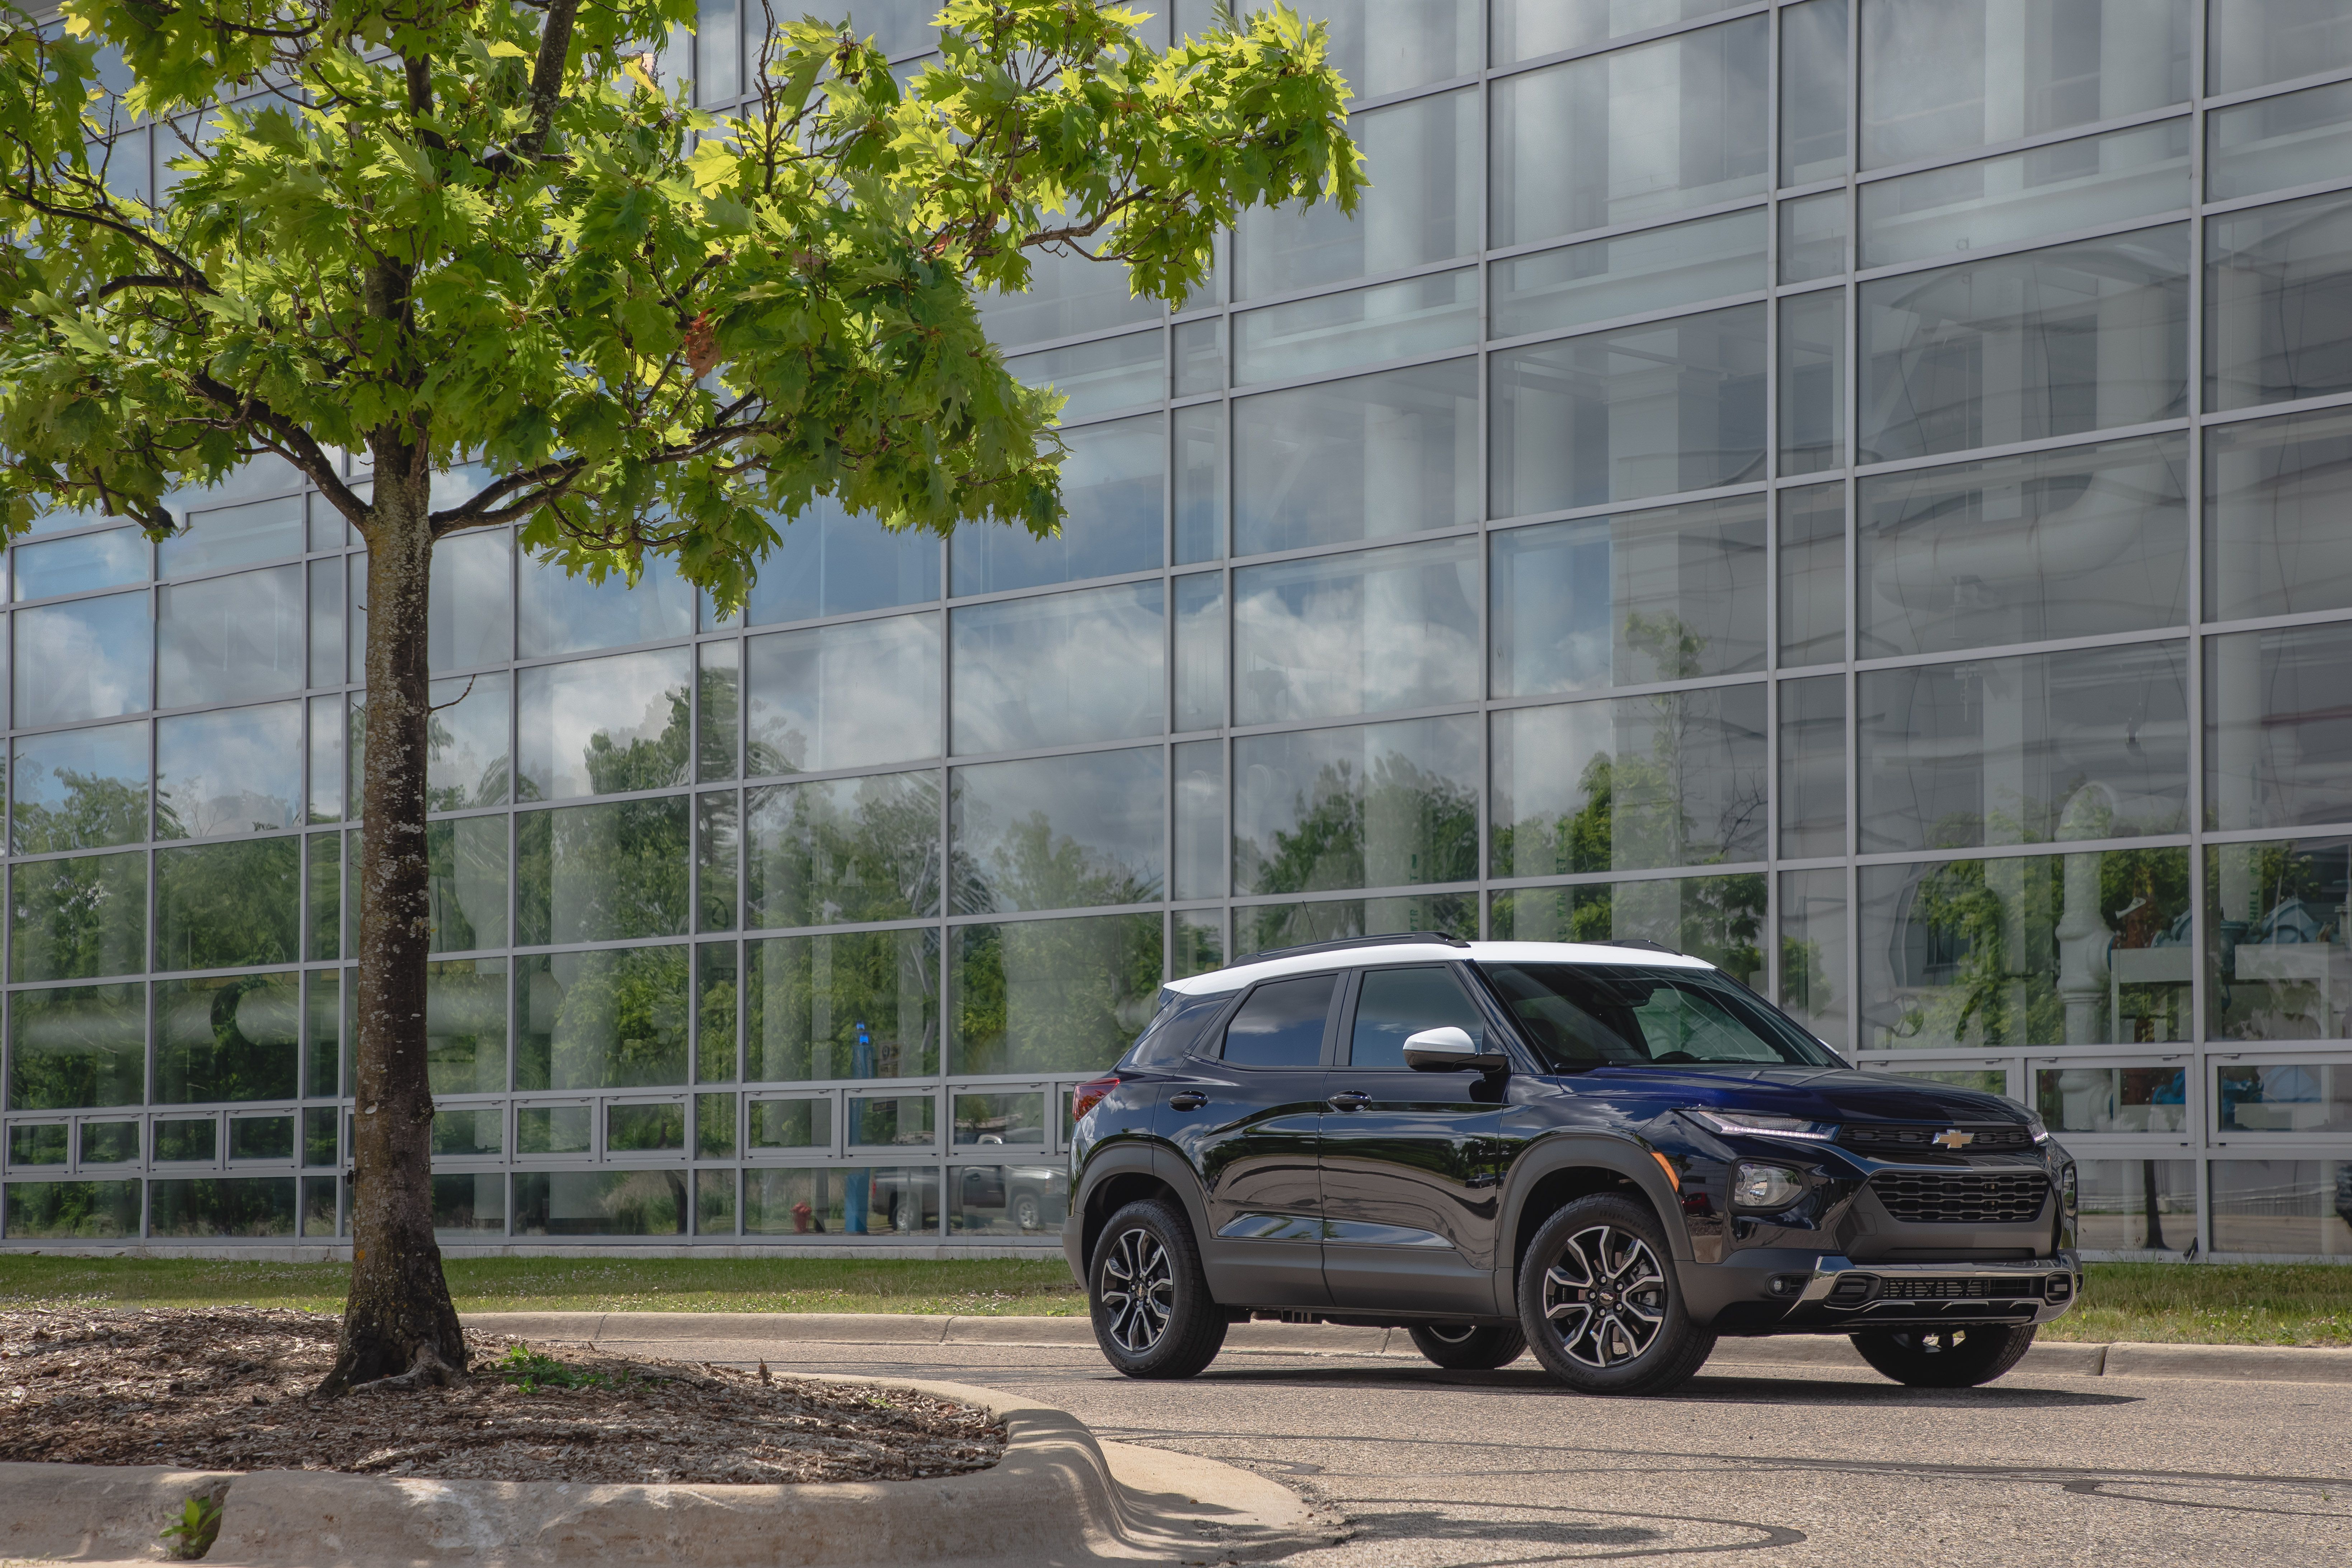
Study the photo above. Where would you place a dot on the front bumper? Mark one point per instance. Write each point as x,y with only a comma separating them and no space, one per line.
1790,1292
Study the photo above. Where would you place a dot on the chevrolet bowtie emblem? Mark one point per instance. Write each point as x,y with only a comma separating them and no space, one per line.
1953,1138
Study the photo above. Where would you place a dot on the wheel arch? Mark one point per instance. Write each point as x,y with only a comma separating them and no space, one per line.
1559,1171
1126,1174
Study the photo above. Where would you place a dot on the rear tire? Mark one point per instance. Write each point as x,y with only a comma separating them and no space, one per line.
1946,1358
1600,1304
1152,1312
1466,1347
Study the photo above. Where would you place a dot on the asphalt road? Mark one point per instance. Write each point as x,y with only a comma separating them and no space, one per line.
1770,1466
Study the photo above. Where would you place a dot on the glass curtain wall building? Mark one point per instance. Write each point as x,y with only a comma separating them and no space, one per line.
1858,489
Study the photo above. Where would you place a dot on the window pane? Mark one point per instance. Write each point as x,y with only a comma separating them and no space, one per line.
646,1129
1980,954
1374,456
231,536
72,1211
791,1124
1335,635
714,1128
603,726
1282,1024
1382,45
1059,832
239,771
472,620
224,906
1200,483
468,865
1066,995
844,851
1677,779
1423,207
1200,358
2275,143
717,999
1813,766
1396,1004
239,1207
469,1207
1813,951
2090,744
2051,545
1637,411
1060,669
2053,342
2275,323
193,1140
1007,1200
89,659
899,1120
1100,376
2276,490
1812,575
1815,93
1338,331
1943,76
2278,738
327,595
1068,294
827,563
228,638
1813,383
1525,29
466,1032
2008,200
843,696
857,1005
717,849
1201,941
566,614
1669,595
1200,651
78,918
1260,928
82,563
235,1038
606,1203
36,1144
323,861
1112,484
858,1200
553,1130
1629,275
330,728
323,1007
602,873
1376,806
76,1046
1618,137
614,1019
719,713
2254,42
2118,1100
1812,238
261,1137
2280,1207
1719,918
717,72
80,789
1201,822
2276,961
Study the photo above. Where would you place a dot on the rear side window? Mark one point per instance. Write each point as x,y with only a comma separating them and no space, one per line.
1397,1003
1177,1028
1281,1025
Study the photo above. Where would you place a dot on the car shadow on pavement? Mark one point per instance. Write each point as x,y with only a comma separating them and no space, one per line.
1719,1389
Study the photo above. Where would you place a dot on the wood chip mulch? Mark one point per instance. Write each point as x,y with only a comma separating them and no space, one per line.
228,1389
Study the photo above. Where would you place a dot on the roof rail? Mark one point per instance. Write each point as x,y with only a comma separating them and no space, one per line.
1418,938
1644,943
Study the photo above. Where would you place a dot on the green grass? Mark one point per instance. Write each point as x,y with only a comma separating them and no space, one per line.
2262,1304
975,1287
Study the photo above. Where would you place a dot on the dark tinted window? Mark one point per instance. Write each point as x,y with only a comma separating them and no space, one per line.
1580,1015
1281,1025
1395,1003
1176,1027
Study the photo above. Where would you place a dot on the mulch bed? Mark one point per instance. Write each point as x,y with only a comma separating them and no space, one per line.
228,1389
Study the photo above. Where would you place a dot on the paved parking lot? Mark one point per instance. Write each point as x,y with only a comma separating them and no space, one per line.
1771,1464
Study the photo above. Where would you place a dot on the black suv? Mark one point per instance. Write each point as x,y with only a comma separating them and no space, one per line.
1609,1153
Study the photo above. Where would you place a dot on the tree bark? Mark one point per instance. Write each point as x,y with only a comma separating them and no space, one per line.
399,1321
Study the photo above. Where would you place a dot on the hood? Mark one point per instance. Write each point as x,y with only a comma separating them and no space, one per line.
1817,1094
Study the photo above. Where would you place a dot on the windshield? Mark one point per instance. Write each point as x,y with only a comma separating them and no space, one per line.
1589,1015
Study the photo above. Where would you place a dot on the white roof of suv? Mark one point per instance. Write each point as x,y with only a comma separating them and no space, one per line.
1386,953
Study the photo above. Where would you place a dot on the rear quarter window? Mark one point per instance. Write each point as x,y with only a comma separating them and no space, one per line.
1176,1029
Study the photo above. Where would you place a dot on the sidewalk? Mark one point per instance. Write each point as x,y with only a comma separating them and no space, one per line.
2249,1363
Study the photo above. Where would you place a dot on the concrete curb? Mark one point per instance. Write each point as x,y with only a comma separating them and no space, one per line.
2272,1364
1058,1499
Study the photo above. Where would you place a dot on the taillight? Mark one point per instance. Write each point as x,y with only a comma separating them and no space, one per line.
1086,1096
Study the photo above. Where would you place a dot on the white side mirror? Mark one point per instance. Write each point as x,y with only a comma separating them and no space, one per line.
1447,1048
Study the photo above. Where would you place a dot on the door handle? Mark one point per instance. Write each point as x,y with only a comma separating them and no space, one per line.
1349,1099
1187,1099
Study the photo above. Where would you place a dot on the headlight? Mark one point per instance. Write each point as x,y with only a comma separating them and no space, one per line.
2066,1191
1768,1187
1764,1126
2034,1122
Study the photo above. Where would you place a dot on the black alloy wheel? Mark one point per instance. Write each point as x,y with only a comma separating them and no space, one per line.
1467,1347
1946,1358
1600,1304
1152,1312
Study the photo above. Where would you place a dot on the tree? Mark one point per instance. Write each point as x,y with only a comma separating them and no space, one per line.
487,237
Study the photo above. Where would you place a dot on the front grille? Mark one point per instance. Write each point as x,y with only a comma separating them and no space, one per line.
1894,1139
1953,1289
1938,1197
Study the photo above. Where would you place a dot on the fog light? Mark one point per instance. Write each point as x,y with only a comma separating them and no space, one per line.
1766,1187
1786,1284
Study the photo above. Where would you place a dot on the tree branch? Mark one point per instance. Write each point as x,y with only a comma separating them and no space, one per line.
547,78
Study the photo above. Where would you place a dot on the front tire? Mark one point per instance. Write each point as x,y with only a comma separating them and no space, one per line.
1946,1358
1600,1304
1152,1312
1466,1347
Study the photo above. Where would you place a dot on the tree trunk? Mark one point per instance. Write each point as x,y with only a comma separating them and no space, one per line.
399,1321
